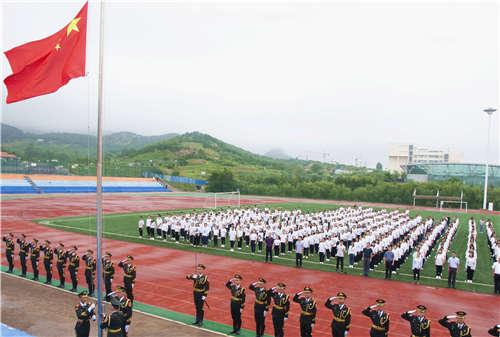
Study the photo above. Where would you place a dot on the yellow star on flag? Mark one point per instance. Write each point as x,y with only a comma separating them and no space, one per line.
58,46
72,26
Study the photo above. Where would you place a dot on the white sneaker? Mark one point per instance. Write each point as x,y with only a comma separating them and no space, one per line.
321,263
232,249
327,260
222,246
178,242
239,248
351,266
151,239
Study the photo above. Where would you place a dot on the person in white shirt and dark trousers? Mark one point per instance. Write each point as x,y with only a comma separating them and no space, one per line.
470,265
440,258
416,266
340,256
453,264
496,275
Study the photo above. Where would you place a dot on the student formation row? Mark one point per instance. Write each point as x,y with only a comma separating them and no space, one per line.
276,300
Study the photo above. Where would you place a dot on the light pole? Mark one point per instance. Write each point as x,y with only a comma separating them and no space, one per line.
490,112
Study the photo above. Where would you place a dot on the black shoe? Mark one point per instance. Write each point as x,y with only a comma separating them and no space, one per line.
232,332
237,332
195,323
23,275
46,282
91,294
35,278
73,289
61,286
9,271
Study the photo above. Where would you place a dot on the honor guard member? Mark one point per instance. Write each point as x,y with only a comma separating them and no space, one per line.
380,319
308,314
495,331
200,292
420,326
9,250
74,264
62,256
238,297
48,256
280,308
35,257
341,322
129,275
84,312
114,322
457,328
261,306
23,252
90,267
126,309
108,271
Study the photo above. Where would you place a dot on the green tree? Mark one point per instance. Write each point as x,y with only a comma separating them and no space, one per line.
379,166
221,181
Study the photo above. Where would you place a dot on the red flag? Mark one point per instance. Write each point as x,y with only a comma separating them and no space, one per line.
42,67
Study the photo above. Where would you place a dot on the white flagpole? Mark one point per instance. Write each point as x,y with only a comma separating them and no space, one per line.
99,173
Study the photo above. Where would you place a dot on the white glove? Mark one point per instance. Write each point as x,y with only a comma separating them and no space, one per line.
498,326
312,325
300,293
265,312
373,306
332,298
411,311
345,333
194,277
241,310
133,285
451,316
274,288
93,317
91,307
286,318
203,298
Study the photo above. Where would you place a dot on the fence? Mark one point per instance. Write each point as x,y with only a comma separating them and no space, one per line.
175,179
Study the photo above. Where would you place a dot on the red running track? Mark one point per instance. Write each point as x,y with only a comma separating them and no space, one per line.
161,271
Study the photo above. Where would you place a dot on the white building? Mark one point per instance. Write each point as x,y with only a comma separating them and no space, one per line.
403,154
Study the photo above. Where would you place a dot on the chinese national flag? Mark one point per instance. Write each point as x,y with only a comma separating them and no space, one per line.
42,67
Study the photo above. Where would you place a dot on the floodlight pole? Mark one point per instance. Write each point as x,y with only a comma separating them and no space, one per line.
99,174
489,111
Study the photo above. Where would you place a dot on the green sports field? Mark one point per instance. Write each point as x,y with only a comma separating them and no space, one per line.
123,227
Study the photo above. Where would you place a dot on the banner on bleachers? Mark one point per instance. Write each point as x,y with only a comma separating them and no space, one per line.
175,179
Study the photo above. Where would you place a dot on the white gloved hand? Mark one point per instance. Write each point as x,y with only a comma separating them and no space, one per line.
312,325
300,293
241,310
345,333
274,288
451,316
133,285
373,306
411,311
91,307
194,277
265,312
93,317
498,326
203,298
286,318
333,298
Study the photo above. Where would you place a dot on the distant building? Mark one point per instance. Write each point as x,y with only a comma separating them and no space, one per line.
404,154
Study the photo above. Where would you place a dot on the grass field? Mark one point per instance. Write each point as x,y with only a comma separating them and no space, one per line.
123,227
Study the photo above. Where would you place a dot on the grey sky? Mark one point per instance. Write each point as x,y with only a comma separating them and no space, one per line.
341,78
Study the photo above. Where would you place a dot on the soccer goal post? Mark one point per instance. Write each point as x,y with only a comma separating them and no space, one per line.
224,199
462,203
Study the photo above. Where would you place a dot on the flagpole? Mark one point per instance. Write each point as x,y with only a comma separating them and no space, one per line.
99,173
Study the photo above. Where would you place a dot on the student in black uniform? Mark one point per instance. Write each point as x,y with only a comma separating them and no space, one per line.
9,251
419,325
61,263
108,272
261,306
23,252
74,264
84,312
48,256
457,328
308,314
114,322
35,257
379,318
90,267
200,292
341,322
280,308
129,275
238,297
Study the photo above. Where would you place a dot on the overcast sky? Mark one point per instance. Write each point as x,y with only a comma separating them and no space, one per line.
341,78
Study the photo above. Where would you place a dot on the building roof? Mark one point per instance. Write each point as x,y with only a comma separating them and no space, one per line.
7,155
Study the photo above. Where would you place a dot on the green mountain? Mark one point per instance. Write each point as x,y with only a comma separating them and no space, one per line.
72,145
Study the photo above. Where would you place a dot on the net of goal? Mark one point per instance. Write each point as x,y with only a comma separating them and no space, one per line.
223,199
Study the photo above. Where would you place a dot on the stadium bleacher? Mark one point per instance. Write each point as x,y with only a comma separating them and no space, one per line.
72,184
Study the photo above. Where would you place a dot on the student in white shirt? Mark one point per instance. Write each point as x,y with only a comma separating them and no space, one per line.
495,272
150,228
352,253
232,237
416,266
470,265
322,251
253,239
223,232
277,244
140,225
340,256
440,258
